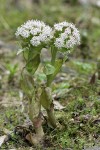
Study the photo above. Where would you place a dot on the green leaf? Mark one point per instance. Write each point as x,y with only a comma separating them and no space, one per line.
33,64
49,69
32,59
41,77
27,85
45,99
58,65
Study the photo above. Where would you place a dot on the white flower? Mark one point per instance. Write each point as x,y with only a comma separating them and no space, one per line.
36,32
68,31
60,26
22,32
71,42
46,34
59,43
68,35
35,41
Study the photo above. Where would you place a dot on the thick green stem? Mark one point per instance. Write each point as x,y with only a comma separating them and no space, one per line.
51,116
36,118
53,54
35,113
46,102
57,64
32,64
37,122
39,133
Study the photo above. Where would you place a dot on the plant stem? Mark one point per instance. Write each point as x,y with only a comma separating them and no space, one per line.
53,53
36,118
46,102
38,126
50,78
51,116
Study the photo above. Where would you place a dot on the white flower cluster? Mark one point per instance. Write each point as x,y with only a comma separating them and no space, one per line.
68,35
36,31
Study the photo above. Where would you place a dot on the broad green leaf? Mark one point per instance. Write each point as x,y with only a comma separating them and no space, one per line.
33,60
49,69
45,99
33,64
41,77
27,85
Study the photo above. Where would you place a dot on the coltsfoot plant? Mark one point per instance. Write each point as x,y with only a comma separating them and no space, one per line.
33,36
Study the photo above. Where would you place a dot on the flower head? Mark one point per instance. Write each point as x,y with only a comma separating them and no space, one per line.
35,31
68,35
